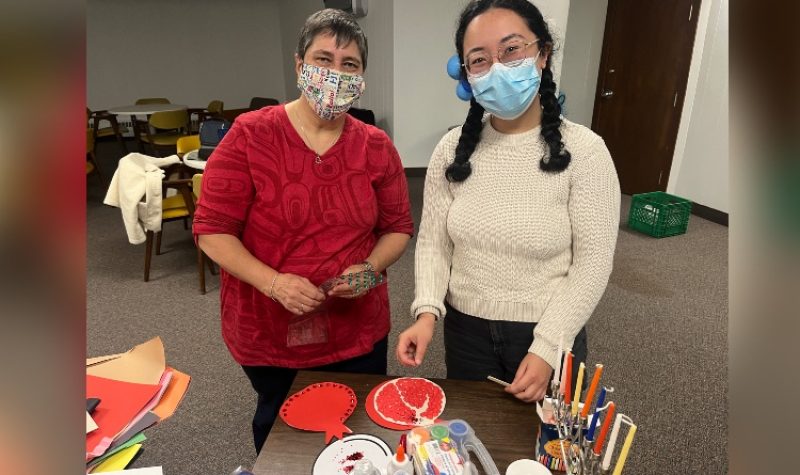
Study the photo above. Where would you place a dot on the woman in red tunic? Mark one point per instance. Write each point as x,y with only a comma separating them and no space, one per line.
294,195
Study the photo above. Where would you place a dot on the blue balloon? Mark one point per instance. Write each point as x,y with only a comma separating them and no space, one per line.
454,67
465,94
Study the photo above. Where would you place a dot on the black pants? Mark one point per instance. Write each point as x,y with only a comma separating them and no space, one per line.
272,385
476,347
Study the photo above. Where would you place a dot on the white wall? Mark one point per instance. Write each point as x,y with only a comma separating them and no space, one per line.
188,51
700,164
581,55
378,25
556,13
425,103
293,14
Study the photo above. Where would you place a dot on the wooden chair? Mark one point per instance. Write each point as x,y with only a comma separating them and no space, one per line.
215,108
202,259
91,158
168,126
187,144
114,128
173,208
260,102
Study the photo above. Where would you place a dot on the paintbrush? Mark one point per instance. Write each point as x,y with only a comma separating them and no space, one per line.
498,381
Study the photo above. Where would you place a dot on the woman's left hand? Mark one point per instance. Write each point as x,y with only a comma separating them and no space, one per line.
530,382
344,290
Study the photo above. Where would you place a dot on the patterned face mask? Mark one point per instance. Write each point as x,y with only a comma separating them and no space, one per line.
330,93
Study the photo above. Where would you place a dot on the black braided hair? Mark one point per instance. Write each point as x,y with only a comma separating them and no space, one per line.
460,169
558,157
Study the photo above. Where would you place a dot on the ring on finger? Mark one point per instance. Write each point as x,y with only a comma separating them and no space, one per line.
303,308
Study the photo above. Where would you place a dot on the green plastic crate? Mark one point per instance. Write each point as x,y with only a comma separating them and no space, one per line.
659,214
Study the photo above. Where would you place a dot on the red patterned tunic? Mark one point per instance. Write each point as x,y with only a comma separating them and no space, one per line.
314,220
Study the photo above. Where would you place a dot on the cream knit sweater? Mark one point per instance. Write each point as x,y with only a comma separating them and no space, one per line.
515,243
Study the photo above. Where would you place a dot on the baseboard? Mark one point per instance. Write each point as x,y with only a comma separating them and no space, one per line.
416,172
711,214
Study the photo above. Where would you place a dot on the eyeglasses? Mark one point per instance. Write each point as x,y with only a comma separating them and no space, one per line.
511,54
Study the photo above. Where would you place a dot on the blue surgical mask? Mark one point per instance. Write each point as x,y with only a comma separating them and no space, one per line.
507,91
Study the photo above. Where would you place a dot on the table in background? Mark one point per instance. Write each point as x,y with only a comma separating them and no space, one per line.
146,110
505,425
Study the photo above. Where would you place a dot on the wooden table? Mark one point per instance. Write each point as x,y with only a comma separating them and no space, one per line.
506,426
145,109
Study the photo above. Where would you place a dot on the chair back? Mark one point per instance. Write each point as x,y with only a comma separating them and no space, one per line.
364,115
89,140
152,100
215,107
170,120
259,102
197,184
188,143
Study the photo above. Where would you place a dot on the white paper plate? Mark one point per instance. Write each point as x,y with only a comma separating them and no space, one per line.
527,467
338,456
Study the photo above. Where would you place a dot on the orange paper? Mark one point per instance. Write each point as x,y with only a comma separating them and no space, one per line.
173,395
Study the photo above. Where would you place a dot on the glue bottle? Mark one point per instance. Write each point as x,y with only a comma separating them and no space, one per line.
400,462
364,467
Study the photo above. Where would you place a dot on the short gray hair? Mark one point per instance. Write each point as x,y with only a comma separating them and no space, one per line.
337,23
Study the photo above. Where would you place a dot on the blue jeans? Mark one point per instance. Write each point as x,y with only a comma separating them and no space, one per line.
273,383
476,347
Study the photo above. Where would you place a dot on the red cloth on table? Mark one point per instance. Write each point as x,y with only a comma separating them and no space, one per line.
262,185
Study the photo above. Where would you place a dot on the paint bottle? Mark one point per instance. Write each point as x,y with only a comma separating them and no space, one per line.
400,462
364,467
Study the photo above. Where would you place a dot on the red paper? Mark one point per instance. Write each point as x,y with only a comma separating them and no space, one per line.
320,407
414,401
120,402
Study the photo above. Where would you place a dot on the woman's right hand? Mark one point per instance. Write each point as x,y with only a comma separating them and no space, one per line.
297,294
413,342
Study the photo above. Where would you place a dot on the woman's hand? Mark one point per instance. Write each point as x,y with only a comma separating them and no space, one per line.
344,290
413,342
530,382
297,294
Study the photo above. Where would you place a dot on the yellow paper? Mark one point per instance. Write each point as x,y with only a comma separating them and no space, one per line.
119,460
90,423
144,364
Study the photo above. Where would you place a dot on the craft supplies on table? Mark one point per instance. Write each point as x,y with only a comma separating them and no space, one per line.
448,447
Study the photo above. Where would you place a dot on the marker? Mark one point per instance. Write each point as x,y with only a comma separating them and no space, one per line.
600,400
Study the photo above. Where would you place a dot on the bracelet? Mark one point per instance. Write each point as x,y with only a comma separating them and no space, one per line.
368,266
435,316
272,286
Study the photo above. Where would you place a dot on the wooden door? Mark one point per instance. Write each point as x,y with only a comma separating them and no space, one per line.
644,66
